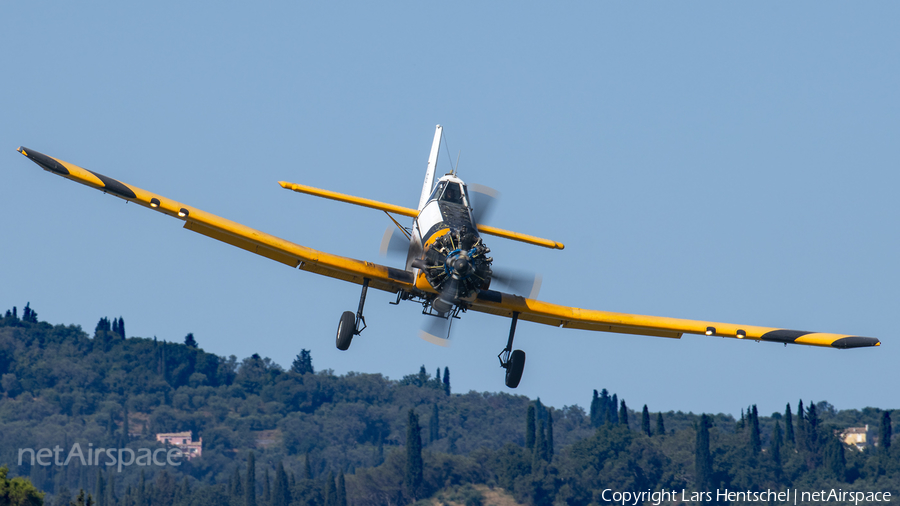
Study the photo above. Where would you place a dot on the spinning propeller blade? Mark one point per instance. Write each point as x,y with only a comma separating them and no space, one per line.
483,199
522,283
394,243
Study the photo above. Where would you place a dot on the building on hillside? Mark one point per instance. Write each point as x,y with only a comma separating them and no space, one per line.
857,437
184,441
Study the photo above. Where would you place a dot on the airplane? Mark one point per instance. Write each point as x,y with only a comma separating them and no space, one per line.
447,271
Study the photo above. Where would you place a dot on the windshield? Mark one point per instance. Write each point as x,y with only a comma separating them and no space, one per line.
453,194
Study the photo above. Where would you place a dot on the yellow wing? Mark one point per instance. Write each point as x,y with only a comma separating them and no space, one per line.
348,269
504,304
393,280
412,213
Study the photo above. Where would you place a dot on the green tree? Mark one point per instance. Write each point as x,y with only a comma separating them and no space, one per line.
330,490
281,493
660,426
835,458
122,327
447,380
603,415
19,491
613,409
529,427
776,444
788,425
550,449
623,414
885,432
645,421
303,363
539,454
595,410
702,456
341,490
250,483
755,441
189,340
414,463
433,425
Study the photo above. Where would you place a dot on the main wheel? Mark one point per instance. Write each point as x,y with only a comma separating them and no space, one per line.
514,368
346,328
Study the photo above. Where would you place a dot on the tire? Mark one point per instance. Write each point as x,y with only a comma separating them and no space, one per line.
514,368
346,328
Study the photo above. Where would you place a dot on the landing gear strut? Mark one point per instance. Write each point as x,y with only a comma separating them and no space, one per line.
512,361
349,324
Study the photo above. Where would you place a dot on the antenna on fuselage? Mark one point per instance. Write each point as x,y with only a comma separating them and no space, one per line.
457,162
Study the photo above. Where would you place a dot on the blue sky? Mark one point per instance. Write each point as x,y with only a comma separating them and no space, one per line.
735,162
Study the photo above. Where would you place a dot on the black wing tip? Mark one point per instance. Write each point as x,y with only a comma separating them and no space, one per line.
43,160
856,342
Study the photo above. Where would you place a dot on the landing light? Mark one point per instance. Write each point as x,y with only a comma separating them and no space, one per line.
183,213
741,334
710,331
154,202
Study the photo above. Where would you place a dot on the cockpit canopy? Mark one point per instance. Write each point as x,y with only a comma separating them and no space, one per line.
451,191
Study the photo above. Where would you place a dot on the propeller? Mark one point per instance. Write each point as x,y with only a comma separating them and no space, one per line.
436,330
394,243
526,284
483,199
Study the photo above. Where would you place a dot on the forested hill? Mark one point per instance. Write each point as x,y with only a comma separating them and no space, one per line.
276,437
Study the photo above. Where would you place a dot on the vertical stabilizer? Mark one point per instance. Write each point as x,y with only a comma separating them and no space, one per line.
432,165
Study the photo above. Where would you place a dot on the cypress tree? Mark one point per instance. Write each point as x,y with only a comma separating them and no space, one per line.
330,490
307,470
115,326
623,414
447,380
776,444
645,421
237,488
267,489
539,412
111,498
529,427
414,464
189,340
595,410
121,327
812,428
341,490
550,449
837,461
660,426
281,490
702,457
801,427
250,487
540,447
755,442
613,407
788,425
603,409
100,490
433,424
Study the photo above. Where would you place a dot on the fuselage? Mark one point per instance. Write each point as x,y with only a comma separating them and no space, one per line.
445,237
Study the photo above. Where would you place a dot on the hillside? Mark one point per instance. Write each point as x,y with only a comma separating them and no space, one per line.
295,429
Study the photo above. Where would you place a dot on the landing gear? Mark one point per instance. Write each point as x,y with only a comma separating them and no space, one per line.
349,325
346,329
512,361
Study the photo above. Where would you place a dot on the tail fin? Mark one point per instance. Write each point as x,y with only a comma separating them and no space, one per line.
432,165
